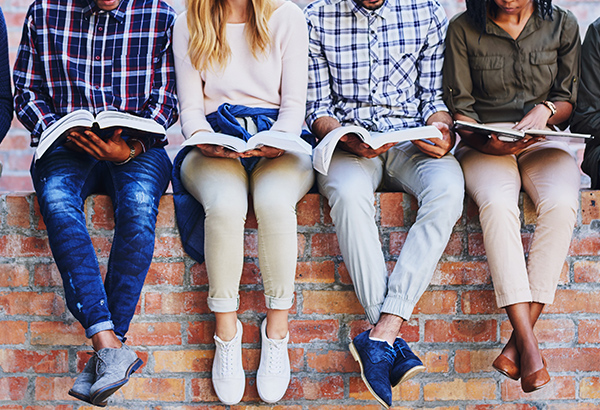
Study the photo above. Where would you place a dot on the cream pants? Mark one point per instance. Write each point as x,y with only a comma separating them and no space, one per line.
549,175
222,186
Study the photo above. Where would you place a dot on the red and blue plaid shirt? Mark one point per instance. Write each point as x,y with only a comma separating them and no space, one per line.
75,56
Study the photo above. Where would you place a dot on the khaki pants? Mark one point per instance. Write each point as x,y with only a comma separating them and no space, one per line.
549,175
222,186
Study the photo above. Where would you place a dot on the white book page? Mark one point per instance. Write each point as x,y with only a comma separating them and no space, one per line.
324,150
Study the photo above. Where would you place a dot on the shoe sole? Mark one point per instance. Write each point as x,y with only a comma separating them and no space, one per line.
85,398
410,374
362,375
103,394
504,373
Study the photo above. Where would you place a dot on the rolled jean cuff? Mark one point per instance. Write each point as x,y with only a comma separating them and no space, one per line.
373,312
99,327
513,297
223,305
398,307
543,296
279,303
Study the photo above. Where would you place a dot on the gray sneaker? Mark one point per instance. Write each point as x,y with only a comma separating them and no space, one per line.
83,383
113,368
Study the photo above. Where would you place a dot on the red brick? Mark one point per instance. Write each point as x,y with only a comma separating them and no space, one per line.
102,212
460,331
13,388
437,302
166,273
503,407
479,302
47,275
475,361
590,206
201,332
555,330
586,246
330,302
178,303
18,361
31,303
586,271
12,246
308,210
391,208
37,216
344,274
475,244
582,359
572,406
166,213
310,331
53,388
102,245
397,240
202,390
325,244
168,246
250,274
18,211
560,388
198,275
13,275
346,407
251,245
315,272
154,334
589,331
589,388
574,301
57,334
455,244
457,389
330,388
461,273
169,390
332,361
183,361
13,332
251,222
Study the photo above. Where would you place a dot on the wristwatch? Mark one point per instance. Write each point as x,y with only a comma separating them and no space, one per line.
130,157
550,105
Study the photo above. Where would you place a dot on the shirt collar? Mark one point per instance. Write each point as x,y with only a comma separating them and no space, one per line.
89,7
382,11
532,25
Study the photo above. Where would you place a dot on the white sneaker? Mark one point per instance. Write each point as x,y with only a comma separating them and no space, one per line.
273,376
228,376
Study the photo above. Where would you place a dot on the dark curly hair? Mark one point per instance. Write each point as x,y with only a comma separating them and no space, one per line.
477,11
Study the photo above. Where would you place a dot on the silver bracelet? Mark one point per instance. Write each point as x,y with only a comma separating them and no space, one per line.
130,157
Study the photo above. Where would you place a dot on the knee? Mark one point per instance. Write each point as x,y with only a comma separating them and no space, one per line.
447,197
560,205
226,212
274,207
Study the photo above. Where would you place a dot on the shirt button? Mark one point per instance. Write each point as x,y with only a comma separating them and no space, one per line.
97,87
97,58
100,29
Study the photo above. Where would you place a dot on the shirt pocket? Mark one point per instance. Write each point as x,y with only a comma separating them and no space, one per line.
132,78
544,67
487,73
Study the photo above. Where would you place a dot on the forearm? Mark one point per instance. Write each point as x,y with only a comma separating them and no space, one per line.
323,125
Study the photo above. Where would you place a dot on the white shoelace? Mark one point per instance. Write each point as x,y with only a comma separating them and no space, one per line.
276,356
227,352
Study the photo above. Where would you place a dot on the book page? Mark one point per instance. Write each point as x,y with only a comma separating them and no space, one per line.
206,137
282,140
409,134
50,136
324,150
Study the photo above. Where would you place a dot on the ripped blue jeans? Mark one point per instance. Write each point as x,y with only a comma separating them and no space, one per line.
63,179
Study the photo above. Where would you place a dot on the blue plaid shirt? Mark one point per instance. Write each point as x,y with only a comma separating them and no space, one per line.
380,69
75,56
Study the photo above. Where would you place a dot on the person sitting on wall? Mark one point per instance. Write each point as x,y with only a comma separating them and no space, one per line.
99,55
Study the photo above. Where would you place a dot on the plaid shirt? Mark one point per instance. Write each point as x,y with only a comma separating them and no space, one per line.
75,56
380,69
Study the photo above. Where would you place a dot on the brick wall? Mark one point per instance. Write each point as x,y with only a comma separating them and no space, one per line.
456,327
15,153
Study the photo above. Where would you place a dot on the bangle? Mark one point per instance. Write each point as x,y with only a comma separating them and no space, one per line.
130,157
550,105
141,143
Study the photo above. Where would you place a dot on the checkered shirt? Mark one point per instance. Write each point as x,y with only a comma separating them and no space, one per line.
380,69
75,56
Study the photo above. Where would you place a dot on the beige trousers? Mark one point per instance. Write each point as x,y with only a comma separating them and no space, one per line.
222,186
547,172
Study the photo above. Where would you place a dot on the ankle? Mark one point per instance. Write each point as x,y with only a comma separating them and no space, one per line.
106,339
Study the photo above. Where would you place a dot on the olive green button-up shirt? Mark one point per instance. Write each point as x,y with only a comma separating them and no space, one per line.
492,77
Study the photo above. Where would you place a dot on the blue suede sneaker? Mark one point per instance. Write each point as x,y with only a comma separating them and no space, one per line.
406,366
375,359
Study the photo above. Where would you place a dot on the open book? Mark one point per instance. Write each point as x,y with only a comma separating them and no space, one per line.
102,124
277,139
508,134
324,151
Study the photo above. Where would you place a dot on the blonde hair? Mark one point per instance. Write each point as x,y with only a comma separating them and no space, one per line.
207,22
